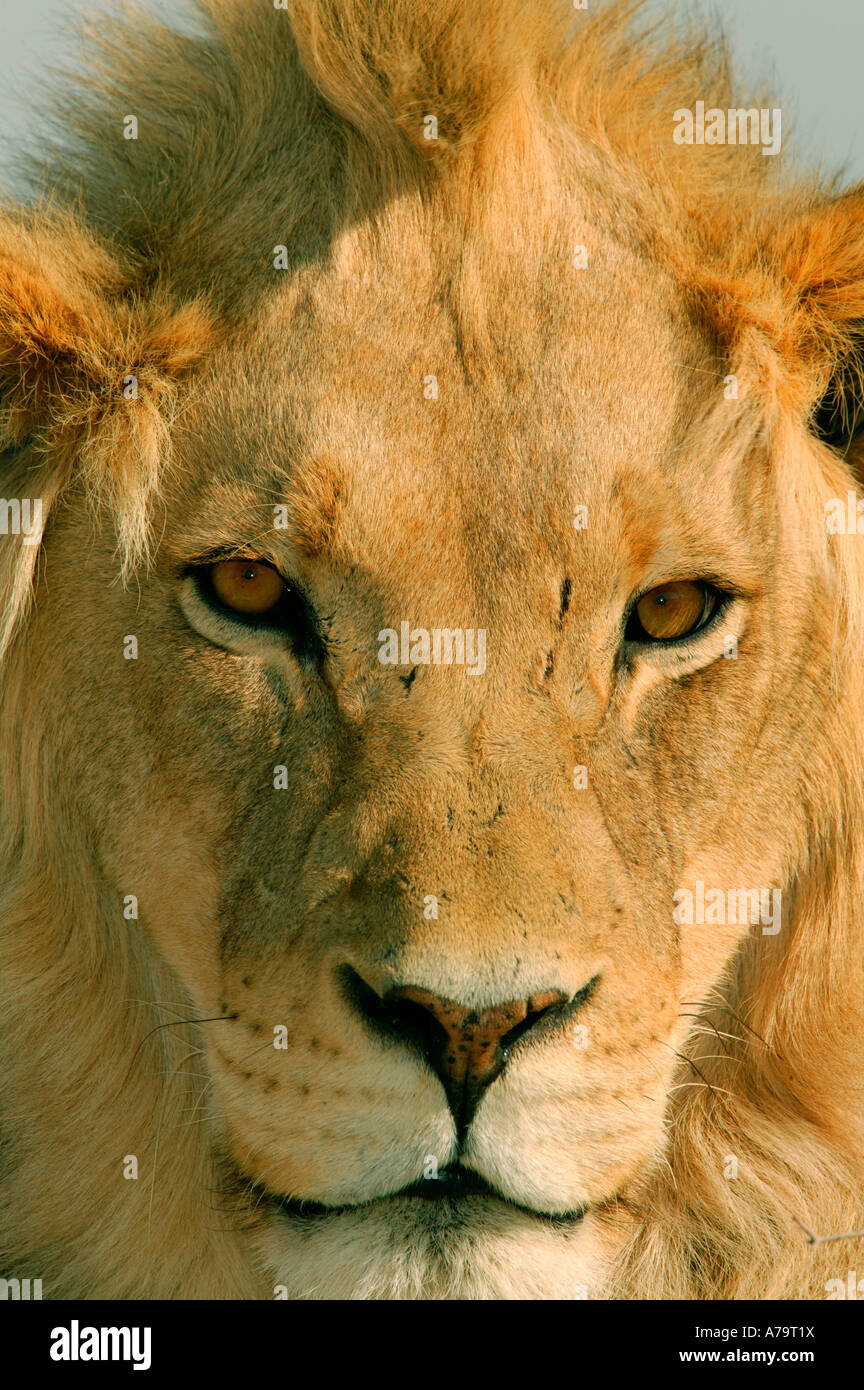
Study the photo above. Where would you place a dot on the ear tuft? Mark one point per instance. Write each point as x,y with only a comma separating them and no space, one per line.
822,259
180,341
54,279
89,374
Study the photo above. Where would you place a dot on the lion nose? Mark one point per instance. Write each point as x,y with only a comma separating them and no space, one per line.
467,1048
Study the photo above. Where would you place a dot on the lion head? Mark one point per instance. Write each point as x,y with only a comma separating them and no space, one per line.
431,742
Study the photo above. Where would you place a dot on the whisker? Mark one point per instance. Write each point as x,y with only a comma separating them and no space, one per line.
734,1037
698,1070
701,1086
183,1022
710,1004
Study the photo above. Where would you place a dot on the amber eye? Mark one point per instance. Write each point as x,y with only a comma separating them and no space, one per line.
247,586
672,610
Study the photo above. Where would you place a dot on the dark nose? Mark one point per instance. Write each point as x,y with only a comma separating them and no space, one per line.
467,1048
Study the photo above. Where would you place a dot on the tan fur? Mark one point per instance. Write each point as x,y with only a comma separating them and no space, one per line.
154,777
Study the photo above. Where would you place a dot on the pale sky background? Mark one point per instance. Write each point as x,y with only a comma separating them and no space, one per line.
811,50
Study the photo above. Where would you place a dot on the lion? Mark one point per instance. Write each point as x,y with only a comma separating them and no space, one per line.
334,335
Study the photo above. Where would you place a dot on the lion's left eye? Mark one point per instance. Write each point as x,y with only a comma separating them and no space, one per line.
672,611
250,587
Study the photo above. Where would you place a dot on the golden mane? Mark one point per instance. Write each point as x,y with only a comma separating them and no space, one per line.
300,120
283,128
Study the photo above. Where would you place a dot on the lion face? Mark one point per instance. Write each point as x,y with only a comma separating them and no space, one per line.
429,725
430,910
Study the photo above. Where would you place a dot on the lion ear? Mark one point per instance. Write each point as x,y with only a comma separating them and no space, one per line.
88,373
55,288
821,255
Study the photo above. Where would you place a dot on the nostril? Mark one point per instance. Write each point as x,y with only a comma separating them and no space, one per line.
365,999
400,1017
467,1048
414,1021
539,1007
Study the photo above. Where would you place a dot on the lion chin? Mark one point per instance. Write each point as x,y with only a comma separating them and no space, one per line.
431,670
414,1247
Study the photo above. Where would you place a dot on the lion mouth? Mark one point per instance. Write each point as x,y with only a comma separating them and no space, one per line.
453,1186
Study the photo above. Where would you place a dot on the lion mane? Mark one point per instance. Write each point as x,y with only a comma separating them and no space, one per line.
296,142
